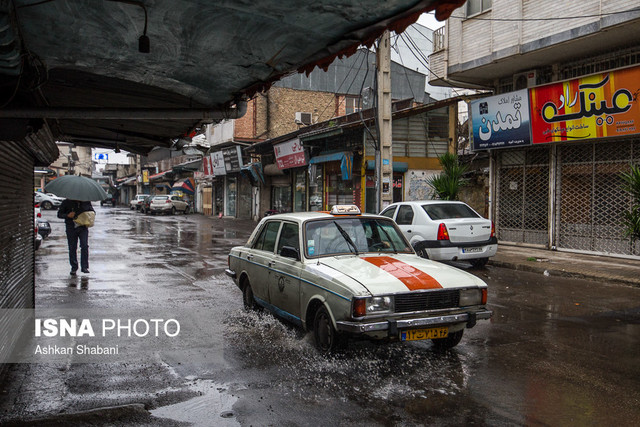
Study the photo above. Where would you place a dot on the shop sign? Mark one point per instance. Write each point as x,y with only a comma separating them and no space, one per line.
501,121
145,176
597,106
207,169
290,154
232,159
217,163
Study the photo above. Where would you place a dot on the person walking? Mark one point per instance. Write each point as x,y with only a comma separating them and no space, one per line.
69,210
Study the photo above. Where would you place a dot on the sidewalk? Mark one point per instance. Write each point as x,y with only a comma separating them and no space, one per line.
555,263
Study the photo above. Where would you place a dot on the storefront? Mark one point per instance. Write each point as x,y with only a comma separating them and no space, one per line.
557,183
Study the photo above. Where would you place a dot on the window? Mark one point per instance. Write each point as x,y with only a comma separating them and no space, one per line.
289,236
405,215
352,104
267,239
449,210
475,7
389,212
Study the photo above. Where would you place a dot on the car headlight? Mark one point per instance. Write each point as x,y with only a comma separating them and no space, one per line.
473,297
372,305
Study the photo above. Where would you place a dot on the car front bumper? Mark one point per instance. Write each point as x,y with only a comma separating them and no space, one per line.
429,321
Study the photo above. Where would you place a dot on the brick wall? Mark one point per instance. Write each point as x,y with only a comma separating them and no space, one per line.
283,103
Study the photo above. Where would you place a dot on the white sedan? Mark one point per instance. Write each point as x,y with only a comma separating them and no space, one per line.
445,230
168,204
346,274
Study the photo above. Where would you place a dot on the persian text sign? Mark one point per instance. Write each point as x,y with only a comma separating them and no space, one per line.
290,154
501,121
597,106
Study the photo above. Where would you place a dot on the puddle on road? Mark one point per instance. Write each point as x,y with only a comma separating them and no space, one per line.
369,373
212,407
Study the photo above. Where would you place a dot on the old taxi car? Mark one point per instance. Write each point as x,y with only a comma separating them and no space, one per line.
341,274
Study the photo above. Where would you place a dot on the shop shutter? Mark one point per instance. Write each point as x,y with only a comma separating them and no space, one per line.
16,237
589,196
523,196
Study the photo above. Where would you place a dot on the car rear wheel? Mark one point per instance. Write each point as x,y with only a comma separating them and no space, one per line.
173,210
479,262
421,251
186,210
47,205
326,337
247,297
449,342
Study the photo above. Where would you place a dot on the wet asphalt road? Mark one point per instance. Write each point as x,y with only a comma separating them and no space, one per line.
557,352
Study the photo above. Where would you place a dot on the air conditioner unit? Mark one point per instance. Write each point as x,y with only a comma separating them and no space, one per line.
524,80
303,118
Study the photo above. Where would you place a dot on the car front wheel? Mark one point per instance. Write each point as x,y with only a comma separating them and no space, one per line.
47,205
326,337
247,297
449,342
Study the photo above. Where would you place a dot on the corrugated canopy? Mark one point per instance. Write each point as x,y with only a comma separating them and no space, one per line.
78,64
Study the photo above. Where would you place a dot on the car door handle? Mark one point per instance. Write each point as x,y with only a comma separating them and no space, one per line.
408,231
270,264
249,257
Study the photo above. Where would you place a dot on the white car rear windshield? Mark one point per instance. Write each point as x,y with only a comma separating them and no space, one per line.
161,198
448,211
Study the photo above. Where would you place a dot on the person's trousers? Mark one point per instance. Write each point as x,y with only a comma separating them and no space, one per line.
73,235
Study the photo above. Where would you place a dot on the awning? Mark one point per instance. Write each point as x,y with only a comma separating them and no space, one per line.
345,158
397,166
187,186
159,175
190,166
254,172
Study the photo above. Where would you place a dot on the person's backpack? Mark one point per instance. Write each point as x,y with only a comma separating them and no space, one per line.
86,219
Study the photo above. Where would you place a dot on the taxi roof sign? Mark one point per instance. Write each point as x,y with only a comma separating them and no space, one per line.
345,210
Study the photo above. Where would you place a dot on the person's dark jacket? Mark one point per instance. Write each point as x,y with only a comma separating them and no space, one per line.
76,206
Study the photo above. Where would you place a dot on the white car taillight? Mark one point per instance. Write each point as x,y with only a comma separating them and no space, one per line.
443,233
493,230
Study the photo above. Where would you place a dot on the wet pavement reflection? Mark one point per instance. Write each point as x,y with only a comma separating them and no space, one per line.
557,351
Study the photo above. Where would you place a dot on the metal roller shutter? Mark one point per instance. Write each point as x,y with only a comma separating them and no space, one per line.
17,281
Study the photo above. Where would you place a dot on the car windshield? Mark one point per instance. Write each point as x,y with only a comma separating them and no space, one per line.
329,237
438,211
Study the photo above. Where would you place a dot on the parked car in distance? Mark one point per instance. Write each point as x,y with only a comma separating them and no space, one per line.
445,230
110,199
47,200
135,202
345,274
145,207
168,204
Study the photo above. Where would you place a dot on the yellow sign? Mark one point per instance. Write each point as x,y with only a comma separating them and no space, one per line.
145,176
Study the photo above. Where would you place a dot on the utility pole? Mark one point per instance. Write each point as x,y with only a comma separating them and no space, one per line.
384,154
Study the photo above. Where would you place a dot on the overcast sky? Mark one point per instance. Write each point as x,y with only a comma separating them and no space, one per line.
430,21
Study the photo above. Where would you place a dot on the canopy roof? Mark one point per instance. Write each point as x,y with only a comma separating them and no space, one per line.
78,65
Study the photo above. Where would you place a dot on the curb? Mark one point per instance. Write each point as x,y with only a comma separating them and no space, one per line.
633,281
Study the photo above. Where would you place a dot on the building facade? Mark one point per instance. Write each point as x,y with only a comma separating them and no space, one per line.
290,105
562,124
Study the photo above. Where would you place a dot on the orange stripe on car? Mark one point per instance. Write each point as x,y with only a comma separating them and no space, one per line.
412,278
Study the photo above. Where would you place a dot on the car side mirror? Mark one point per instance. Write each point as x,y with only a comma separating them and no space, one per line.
290,252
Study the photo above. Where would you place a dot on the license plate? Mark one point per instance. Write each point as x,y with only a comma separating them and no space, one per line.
424,334
471,250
